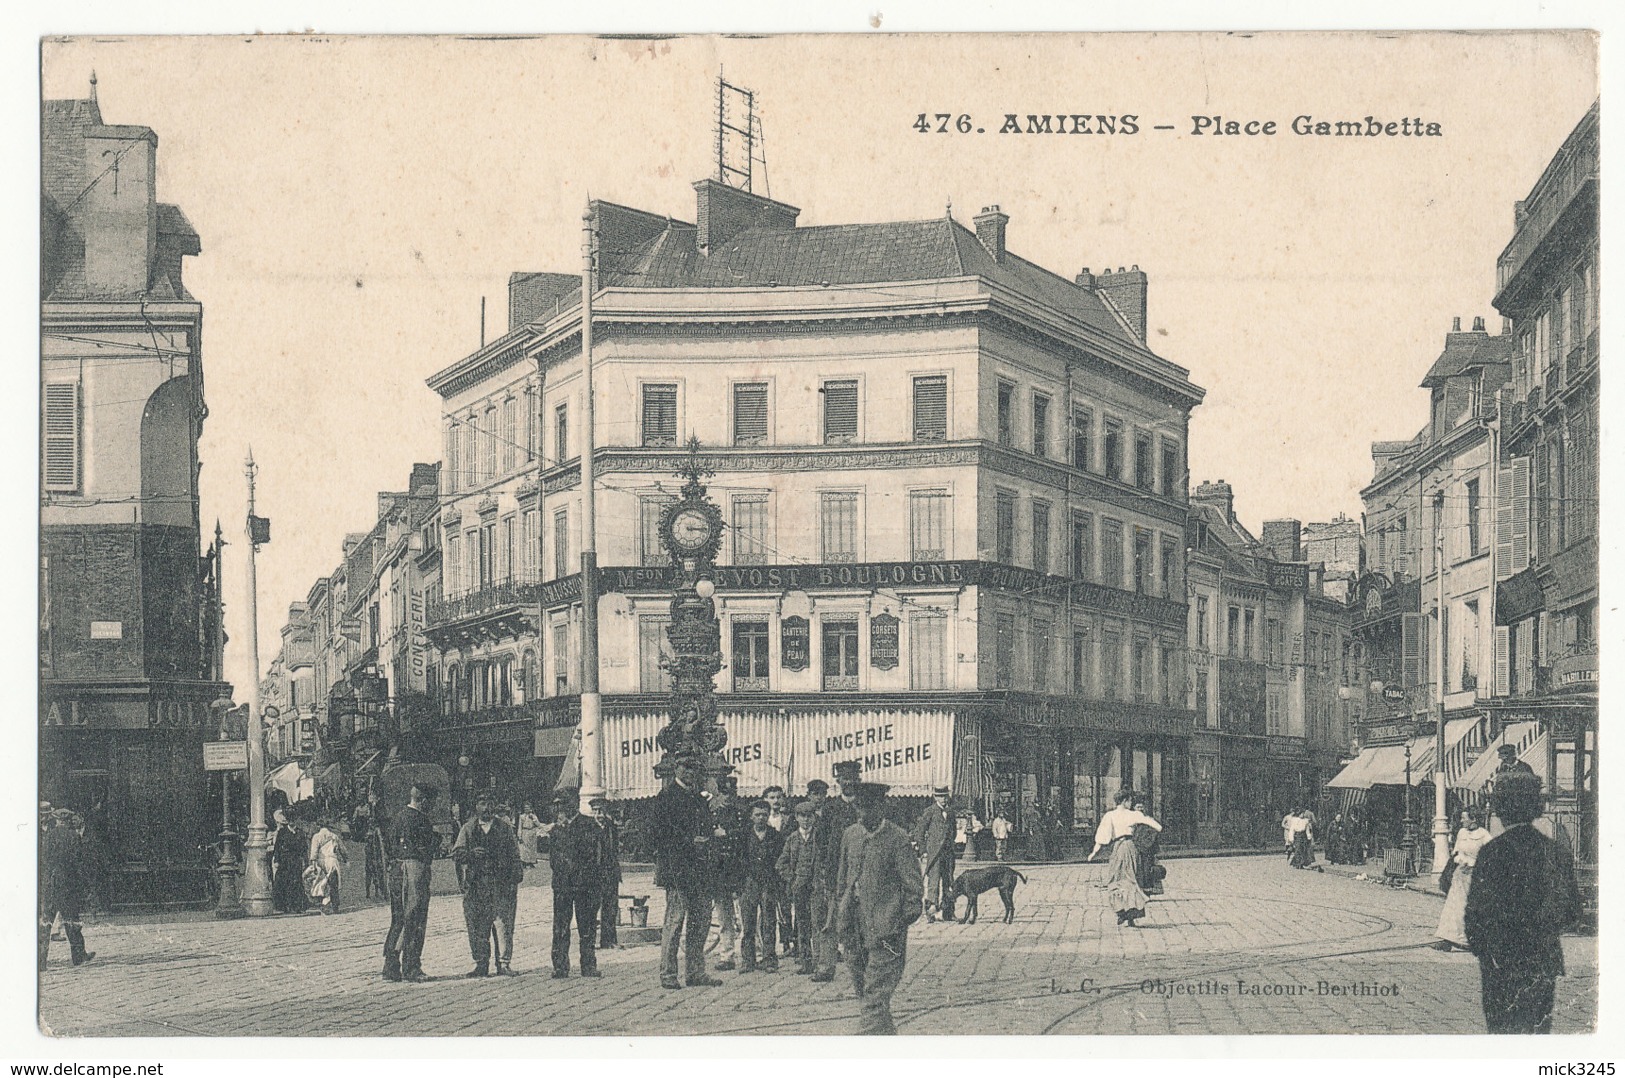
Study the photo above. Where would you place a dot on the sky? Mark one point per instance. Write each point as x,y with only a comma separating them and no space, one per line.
357,197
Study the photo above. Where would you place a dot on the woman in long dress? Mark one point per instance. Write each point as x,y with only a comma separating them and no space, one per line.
1116,833
1452,930
1303,847
530,828
287,867
327,858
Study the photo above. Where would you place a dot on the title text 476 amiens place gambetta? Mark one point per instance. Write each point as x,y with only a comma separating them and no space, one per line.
1075,123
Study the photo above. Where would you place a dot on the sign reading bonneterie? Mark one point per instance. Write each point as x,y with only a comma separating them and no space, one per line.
910,750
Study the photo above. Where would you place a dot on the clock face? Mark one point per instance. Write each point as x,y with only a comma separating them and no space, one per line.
690,530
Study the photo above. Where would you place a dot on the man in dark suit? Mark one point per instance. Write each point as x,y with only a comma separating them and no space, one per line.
878,895
413,842
63,879
609,904
575,852
759,895
729,870
681,831
488,850
934,844
798,867
835,815
1524,894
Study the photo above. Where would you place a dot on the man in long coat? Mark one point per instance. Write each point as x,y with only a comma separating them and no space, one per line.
934,842
1524,894
488,850
835,815
879,892
609,897
63,879
681,831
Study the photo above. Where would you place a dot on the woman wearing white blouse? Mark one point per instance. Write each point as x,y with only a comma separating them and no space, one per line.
1452,930
1116,832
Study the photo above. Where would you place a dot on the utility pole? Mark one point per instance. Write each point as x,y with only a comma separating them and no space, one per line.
257,849
1441,824
591,729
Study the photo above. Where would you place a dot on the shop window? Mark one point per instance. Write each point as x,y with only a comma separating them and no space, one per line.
750,655
840,644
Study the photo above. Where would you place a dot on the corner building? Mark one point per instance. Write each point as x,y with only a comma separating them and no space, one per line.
954,486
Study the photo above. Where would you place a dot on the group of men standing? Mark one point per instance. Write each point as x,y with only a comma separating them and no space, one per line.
583,855
832,878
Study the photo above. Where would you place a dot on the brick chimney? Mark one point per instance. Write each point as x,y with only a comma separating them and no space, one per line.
722,212
1126,290
1218,495
1284,539
990,225
119,213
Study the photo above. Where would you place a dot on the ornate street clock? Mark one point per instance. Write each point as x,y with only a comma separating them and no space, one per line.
691,528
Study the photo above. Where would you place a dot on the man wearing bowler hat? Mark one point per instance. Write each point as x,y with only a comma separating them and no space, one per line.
878,895
934,842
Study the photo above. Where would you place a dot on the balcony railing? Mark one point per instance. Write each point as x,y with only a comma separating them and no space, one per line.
491,599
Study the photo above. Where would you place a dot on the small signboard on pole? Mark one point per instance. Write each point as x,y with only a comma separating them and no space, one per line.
225,756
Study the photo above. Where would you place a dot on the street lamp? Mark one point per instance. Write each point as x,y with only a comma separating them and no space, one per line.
230,904
257,850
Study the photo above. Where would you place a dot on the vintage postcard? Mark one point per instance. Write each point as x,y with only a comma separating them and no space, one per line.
646,536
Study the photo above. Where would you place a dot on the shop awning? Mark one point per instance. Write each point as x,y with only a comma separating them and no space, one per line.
1380,765
1524,736
290,779
555,741
1422,752
570,773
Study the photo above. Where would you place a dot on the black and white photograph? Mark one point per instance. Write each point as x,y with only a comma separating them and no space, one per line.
818,535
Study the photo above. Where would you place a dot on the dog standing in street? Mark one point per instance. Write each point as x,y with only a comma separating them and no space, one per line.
977,880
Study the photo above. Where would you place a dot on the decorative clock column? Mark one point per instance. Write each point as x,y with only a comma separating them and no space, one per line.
691,530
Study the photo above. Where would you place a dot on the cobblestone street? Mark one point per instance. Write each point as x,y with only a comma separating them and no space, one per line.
1238,945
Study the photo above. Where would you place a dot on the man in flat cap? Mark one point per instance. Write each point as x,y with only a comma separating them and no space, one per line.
681,830
413,843
797,868
1524,894
609,882
878,895
934,843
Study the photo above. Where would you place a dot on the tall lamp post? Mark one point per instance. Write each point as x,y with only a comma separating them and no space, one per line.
257,849
1441,822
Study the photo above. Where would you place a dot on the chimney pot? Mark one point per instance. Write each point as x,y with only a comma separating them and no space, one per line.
1455,325
1478,325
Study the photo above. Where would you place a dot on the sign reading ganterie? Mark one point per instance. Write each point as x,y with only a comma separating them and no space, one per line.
795,643
883,642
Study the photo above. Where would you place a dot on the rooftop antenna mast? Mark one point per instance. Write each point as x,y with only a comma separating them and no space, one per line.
739,135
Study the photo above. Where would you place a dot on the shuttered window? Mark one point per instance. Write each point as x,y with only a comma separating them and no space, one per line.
1004,528
1503,660
750,530
750,413
1413,647
1041,536
62,450
651,509
841,411
1512,519
838,525
928,524
928,651
660,415
453,439
654,654
931,408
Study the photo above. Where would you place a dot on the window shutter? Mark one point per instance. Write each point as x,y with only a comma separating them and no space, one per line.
660,415
1503,660
931,408
750,413
841,411
1413,649
1518,495
1503,524
1543,643
61,429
